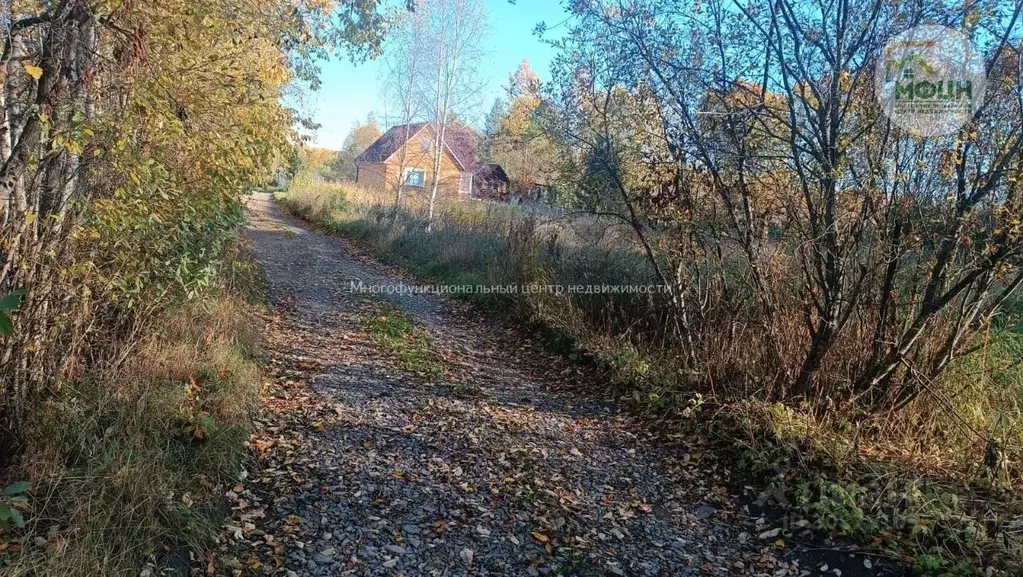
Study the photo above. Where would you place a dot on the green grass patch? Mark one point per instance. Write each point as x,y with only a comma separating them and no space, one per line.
409,343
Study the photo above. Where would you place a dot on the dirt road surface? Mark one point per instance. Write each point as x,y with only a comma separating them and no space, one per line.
511,464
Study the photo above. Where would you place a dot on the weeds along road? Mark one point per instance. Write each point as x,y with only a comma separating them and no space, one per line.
495,459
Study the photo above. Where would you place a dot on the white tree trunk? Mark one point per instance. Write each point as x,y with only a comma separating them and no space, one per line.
440,122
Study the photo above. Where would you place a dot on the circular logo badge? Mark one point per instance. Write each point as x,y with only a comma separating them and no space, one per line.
930,80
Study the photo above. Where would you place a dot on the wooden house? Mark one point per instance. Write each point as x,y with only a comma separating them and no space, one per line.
405,154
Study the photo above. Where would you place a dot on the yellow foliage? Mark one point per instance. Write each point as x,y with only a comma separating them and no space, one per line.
317,158
34,71
206,126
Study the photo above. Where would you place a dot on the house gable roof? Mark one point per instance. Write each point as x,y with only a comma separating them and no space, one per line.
389,143
459,142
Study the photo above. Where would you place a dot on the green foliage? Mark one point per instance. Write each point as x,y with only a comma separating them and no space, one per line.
9,303
123,474
988,388
197,424
141,127
891,508
836,506
14,496
937,566
184,247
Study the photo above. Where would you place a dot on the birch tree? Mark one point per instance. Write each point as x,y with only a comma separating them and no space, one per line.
403,83
454,34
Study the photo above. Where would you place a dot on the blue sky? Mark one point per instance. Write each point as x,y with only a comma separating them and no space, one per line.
350,92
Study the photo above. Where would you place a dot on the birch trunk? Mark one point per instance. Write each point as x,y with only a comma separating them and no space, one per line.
440,121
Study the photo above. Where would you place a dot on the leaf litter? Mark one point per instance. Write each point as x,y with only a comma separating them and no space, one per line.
512,464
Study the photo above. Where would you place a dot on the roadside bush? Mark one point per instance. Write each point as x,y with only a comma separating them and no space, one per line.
132,130
121,472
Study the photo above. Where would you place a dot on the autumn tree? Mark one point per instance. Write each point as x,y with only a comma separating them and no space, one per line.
782,198
454,32
316,157
403,85
360,137
515,136
129,132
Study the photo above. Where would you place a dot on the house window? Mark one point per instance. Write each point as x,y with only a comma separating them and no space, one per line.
415,177
465,183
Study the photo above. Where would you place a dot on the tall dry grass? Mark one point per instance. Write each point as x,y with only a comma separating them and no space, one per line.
121,476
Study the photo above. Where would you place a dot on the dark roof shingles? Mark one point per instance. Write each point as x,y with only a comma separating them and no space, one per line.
460,142
388,143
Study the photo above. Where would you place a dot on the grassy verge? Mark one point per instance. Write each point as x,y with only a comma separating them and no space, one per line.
914,485
128,465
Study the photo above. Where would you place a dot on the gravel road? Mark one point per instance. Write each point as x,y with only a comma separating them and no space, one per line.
512,464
